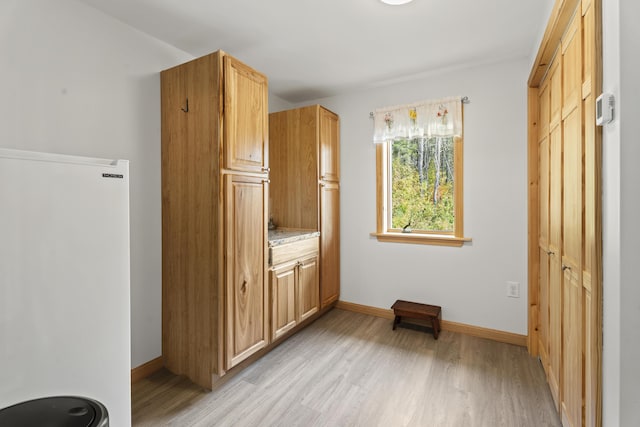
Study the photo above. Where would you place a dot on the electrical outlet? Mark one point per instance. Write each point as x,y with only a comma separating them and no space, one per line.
513,289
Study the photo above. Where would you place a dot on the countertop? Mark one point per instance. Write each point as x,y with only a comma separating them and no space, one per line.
280,236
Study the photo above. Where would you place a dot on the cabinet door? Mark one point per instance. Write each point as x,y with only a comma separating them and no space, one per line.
329,146
245,118
283,300
329,243
308,287
245,246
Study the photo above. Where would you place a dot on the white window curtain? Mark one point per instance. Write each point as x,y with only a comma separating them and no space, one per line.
426,119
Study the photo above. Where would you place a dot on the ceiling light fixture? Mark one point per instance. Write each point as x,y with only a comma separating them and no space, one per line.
395,2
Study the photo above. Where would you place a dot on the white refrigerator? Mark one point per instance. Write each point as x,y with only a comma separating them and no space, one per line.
64,280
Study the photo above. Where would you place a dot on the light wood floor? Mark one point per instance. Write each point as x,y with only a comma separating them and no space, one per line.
349,369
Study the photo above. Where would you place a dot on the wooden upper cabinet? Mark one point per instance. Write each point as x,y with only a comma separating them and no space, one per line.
245,144
329,146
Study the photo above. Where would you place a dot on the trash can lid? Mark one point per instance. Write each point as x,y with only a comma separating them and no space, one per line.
59,411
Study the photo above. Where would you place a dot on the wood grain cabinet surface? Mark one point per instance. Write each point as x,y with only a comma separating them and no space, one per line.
304,155
214,216
295,288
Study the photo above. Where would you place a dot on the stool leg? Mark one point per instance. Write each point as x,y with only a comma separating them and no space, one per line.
396,320
435,325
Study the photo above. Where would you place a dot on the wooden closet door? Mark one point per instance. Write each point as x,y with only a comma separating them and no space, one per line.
591,277
555,235
574,78
572,206
543,241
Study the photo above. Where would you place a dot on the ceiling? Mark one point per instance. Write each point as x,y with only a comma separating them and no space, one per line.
311,49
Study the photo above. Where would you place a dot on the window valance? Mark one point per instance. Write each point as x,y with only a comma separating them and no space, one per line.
426,119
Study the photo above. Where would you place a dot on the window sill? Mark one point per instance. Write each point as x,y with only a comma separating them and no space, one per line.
421,239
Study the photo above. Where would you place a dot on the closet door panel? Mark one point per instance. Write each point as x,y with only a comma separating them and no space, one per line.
572,222
592,206
572,297
555,263
555,234
543,200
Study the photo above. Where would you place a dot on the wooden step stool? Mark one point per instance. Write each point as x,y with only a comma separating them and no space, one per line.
416,310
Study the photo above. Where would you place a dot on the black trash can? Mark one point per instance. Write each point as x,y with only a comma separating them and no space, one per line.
58,411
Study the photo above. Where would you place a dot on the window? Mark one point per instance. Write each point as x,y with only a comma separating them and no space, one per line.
419,173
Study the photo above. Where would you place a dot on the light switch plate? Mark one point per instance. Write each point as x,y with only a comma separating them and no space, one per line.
513,289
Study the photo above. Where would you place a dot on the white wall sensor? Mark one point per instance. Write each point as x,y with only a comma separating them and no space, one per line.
604,109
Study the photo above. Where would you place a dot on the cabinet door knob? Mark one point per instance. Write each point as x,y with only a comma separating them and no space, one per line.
565,267
550,252
266,169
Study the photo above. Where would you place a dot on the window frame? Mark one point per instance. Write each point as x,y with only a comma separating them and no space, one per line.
383,231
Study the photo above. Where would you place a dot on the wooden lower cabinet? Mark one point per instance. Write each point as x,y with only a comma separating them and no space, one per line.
283,299
295,292
308,288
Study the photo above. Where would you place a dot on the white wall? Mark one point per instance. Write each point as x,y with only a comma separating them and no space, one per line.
469,282
630,207
621,230
75,81
611,220
548,7
278,104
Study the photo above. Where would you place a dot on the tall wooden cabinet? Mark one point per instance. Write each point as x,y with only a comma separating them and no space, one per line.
214,216
304,155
